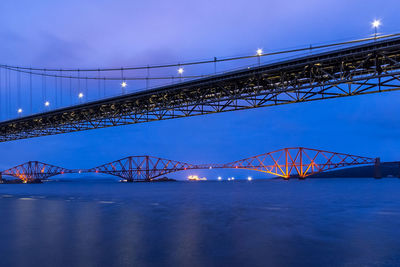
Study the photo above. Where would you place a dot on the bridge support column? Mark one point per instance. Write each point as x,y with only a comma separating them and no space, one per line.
1,177
377,174
398,175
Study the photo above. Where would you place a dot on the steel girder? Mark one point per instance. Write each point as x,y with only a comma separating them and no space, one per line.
364,69
141,168
287,162
35,170
298,162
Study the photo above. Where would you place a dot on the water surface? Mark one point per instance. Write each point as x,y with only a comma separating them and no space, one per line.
316,222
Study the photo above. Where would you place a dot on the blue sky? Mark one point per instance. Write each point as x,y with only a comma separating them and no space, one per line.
125,33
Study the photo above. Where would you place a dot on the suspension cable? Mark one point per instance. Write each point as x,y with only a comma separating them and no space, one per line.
317,47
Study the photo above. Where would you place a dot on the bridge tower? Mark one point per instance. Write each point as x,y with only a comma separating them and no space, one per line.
398,175
377,174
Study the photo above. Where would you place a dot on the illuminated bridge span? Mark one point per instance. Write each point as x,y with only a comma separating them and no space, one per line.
361,69
35,170
288,162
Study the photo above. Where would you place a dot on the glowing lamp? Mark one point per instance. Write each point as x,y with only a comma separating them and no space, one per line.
376,23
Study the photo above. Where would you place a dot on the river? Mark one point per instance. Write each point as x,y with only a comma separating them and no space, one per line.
315,222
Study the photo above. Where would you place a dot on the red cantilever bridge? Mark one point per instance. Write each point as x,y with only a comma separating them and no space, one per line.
287,162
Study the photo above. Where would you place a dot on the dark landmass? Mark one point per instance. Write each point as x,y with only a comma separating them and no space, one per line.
14,181
163,179
19,181
387,169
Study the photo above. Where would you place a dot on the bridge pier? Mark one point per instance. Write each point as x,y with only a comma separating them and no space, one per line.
378,174
398,175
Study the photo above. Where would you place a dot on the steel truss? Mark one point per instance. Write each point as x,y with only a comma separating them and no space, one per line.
139,168
298,162
288,162
34,170
358,70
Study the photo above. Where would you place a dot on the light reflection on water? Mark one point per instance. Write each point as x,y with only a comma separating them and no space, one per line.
331,222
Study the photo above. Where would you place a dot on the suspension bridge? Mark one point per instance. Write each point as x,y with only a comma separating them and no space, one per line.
358,67
286,163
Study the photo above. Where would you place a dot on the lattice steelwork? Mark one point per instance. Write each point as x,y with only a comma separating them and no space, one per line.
141,168
358,70
35,170
298,162
288,162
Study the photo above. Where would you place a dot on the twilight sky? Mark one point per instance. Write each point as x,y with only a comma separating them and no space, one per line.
117,33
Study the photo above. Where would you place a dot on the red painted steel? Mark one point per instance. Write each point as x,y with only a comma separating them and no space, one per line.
34,170
298,162
287,162
141,168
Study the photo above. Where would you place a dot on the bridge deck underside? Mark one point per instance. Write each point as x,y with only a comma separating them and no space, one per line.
364,69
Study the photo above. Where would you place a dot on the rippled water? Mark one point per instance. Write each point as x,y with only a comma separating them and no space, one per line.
320,222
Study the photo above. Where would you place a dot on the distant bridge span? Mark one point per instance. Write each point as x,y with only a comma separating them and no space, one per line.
288,162
363,69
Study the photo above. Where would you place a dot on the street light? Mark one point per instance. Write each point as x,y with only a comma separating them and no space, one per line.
259,54
80,95
19,111
375,24
47,103
249,178
123,86
180,71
